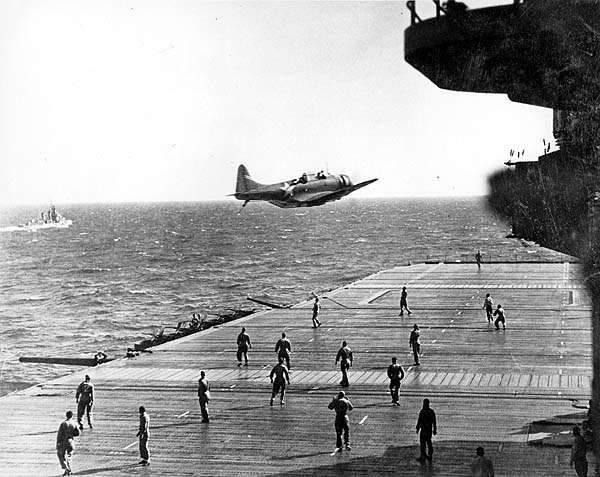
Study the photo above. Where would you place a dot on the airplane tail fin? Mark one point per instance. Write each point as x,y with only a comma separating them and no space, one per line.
244,181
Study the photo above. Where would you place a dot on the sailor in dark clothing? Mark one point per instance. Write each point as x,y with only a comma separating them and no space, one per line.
478,258
203,396
341,405
396,374
415,343
345,355
84,397
143,434
64,442
281,375
243,342
501,317
488,304
578,452
315,310
428,427
283,348
404,302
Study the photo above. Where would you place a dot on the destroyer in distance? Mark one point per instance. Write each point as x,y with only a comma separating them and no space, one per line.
308,190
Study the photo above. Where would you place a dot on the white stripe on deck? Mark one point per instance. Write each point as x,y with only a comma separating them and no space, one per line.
184,414
362,421
130,445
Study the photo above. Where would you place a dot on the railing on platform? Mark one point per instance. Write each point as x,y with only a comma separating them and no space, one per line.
449,7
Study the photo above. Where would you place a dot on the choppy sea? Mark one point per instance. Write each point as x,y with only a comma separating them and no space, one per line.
121,271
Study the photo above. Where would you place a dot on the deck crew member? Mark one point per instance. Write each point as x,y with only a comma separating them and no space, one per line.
279,376
396,375
478,258
481,465
404,302
243,342
488,305
344,355
142,434
315,312
67,431
341,405
578,452
415,343
501,317
84,397
428,426
100,357
203,395
283,348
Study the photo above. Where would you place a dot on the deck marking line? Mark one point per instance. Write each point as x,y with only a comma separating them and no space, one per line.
329,329
363,420
130,445
459,313
184,414
312,339
232,386
334,453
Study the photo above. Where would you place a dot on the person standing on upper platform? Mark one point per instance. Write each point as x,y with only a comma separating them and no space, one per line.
243,342
283,348
396,375
315,312
428,426
404,302
344,355
84,397
501,317
415,343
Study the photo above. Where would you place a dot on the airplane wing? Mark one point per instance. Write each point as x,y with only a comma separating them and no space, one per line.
318,198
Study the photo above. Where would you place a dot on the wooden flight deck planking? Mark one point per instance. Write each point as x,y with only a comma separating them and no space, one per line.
486,386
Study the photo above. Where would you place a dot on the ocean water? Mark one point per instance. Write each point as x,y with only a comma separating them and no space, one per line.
123,270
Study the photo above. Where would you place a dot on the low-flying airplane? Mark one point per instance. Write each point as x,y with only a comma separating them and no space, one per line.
307,191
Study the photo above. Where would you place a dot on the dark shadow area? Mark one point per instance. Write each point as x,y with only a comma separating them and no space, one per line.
299,456
105,469
449,458
556,431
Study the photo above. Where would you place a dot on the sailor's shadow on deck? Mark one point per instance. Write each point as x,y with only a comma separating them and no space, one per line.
449,458
99,470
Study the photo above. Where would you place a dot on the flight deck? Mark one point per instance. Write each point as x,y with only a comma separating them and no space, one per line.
514,392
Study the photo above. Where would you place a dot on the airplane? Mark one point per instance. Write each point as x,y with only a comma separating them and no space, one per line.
307,191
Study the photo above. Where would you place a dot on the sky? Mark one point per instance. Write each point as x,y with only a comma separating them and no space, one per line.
161,100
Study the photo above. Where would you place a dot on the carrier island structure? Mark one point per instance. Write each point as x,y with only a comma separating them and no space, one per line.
543,53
